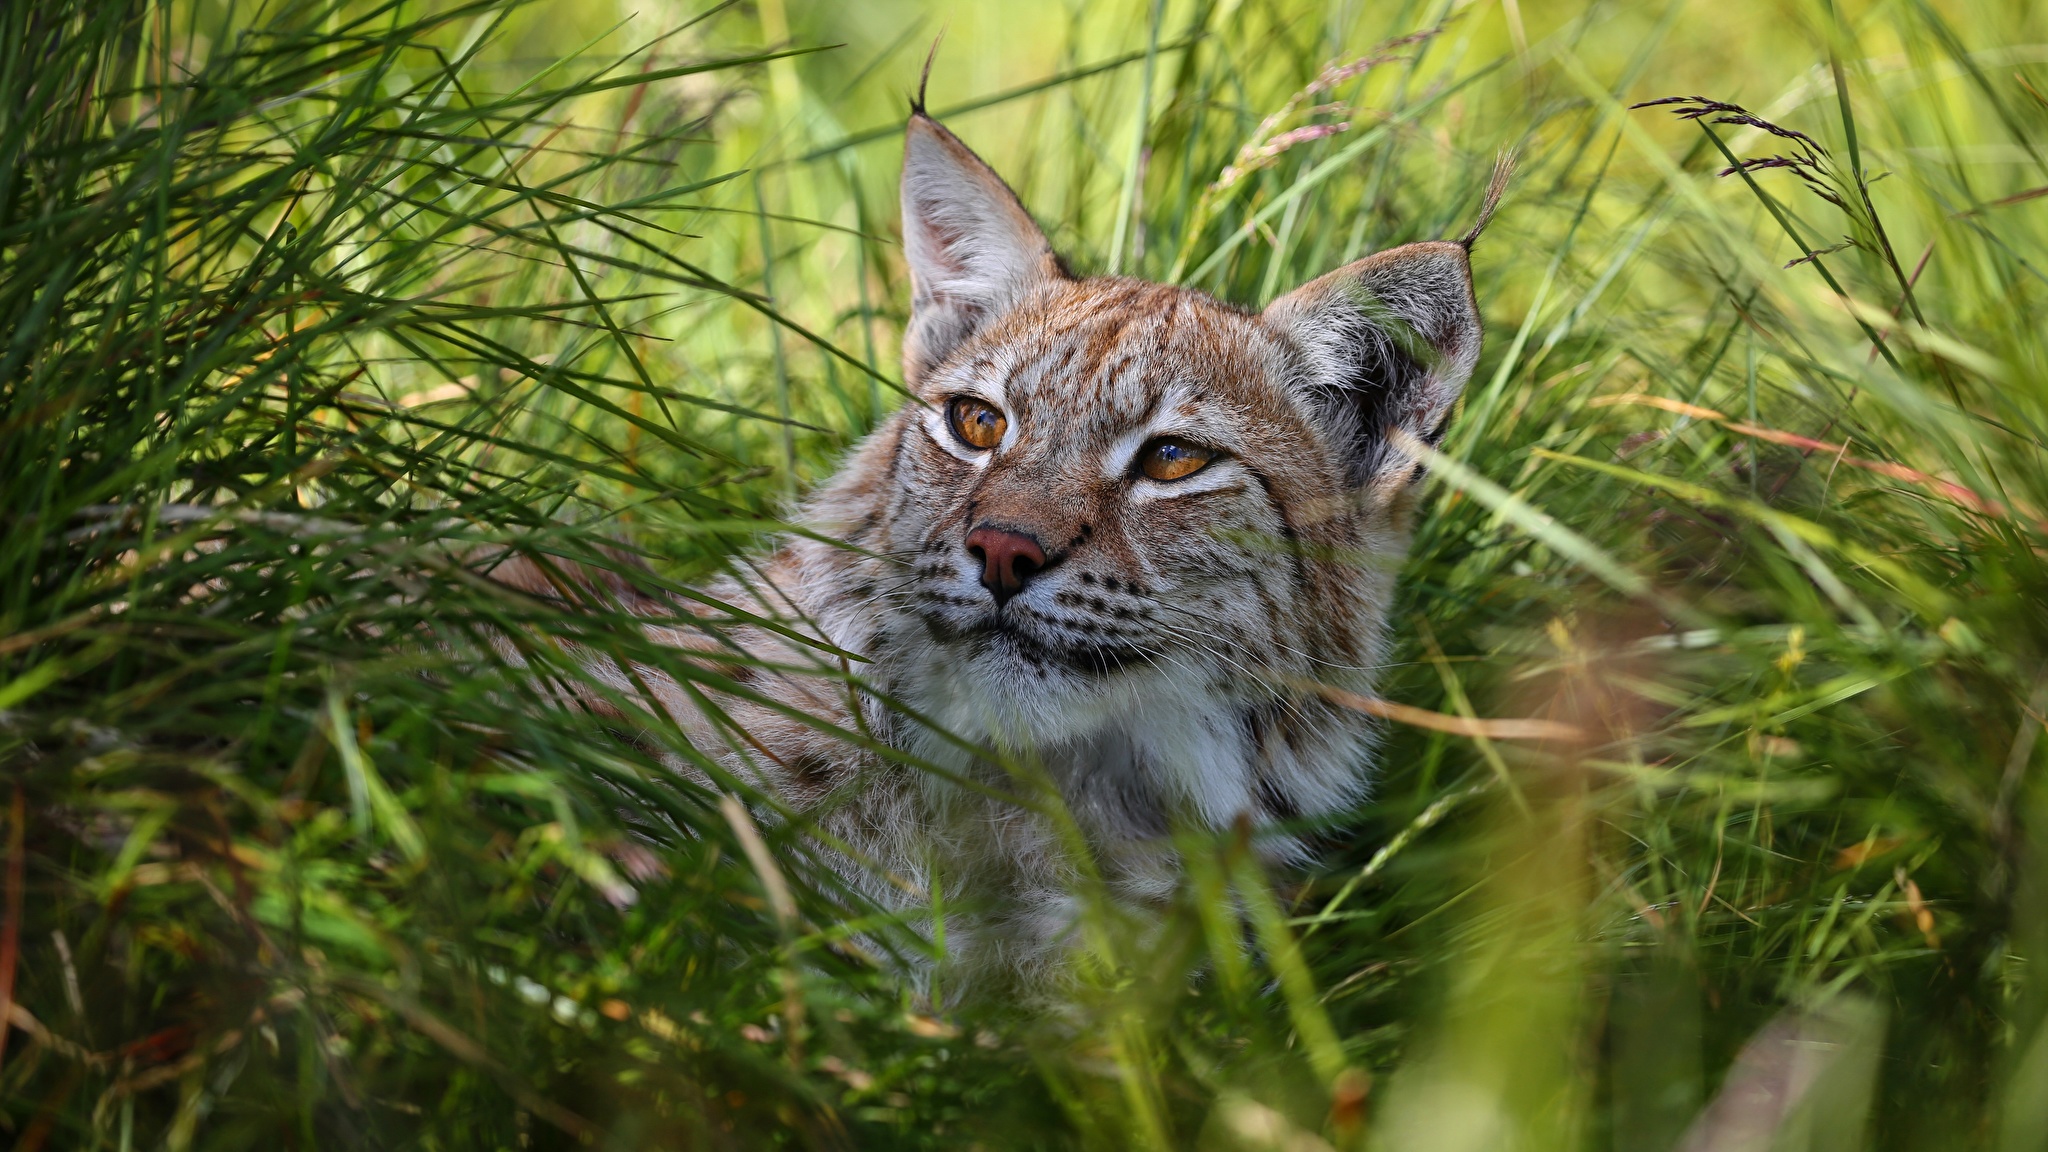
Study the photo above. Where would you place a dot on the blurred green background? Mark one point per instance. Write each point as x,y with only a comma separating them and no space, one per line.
303,304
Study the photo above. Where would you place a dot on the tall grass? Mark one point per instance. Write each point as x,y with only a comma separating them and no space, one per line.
304,310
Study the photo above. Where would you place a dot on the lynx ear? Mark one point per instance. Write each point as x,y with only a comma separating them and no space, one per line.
973,250
1389,343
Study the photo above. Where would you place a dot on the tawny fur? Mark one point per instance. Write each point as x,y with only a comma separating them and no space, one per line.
1160,669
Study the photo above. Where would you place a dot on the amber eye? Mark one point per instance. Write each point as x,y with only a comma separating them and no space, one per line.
1170,459
977,424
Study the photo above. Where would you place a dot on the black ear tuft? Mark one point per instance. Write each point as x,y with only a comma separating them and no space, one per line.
1496,186
924,78
1387,342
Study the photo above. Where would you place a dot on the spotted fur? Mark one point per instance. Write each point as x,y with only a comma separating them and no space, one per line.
1158,670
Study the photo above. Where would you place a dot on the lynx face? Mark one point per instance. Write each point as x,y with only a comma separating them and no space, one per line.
1129,528
1109,487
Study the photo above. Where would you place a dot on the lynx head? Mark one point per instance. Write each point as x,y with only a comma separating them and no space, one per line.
1110,497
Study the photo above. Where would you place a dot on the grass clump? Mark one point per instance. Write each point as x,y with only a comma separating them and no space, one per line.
304,309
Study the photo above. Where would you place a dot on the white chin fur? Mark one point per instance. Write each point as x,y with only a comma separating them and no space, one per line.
997,696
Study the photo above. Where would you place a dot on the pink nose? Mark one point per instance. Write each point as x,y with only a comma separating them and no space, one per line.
1007,560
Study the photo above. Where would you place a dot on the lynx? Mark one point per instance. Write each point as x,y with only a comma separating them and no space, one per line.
1120,535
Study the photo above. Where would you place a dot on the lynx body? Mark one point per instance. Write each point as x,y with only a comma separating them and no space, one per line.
1119,537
